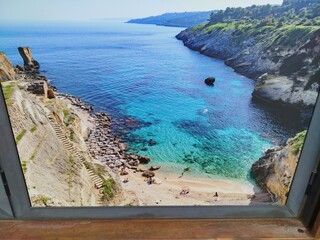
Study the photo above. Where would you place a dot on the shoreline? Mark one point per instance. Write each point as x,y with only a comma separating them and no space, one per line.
168,187
141,184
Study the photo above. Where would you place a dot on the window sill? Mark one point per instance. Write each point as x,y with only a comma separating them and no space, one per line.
155,229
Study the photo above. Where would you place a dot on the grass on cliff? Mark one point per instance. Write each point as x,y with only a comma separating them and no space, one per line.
33,129
68,117
42,200
8,90
108,188
24,166
297,142
66,113
21,135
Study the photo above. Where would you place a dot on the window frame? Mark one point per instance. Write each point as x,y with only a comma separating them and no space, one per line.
22,209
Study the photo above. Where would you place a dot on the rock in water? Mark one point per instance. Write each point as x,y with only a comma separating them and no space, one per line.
26,55
210,81
6,69
144,159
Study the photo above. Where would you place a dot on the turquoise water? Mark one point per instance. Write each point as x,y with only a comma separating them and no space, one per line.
154,89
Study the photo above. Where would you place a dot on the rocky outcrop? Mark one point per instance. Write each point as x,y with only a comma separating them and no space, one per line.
29,62
289,56
274,171
298,77
210,81
7,71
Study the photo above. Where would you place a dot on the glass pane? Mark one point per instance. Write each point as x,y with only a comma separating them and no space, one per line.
120,111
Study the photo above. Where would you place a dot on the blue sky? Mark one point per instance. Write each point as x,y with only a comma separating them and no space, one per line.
22,10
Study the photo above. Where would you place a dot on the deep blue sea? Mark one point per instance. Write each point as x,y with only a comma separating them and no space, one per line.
154,89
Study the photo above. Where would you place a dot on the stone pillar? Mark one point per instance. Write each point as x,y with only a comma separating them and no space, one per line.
26,55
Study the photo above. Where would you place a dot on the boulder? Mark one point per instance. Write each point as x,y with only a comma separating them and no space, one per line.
210,81
134,163
148,174
123,173
118,163
20,68
26,55
134,157
143,159
154,168
51,94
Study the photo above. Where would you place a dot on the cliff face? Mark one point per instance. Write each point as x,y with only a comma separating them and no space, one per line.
284,53
54,175
274,171
6,69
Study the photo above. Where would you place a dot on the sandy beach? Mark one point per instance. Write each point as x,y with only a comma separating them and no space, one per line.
172,189
169,189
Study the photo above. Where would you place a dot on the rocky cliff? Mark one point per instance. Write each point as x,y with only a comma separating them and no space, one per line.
50,134
274,171
280,48
7,71
54,175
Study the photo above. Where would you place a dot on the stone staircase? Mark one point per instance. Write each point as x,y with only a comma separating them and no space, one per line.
98,182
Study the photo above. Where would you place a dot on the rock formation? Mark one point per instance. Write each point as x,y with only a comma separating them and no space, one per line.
274,171
210,81
287,52
29,62
7,71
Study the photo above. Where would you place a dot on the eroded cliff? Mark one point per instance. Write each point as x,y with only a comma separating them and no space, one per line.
7,71
279,46
274,172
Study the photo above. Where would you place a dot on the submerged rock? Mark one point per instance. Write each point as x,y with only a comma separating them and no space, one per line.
152,142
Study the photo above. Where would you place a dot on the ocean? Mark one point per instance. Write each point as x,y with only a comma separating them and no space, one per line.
153,88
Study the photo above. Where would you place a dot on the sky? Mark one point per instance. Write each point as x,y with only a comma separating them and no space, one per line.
75,10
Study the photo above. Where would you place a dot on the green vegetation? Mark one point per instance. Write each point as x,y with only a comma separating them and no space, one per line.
109,188
88,165
24,166
298,12
71,160
33,155
8,90
297,142
20,136
272,24
68,117
33,129
66,112
42,200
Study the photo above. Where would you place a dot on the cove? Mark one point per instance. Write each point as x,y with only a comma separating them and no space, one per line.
153,88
